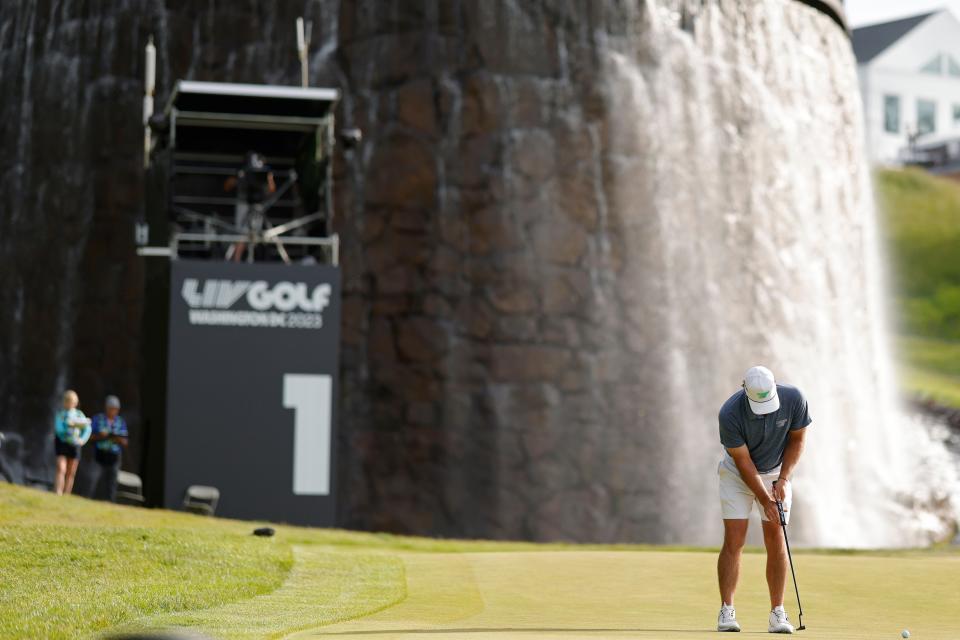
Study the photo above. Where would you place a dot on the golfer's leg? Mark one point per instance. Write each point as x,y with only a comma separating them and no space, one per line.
60,476
776,562
728,564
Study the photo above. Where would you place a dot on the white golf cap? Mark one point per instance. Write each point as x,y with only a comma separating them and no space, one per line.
761,390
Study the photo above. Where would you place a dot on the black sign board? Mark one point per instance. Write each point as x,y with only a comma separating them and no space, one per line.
252,388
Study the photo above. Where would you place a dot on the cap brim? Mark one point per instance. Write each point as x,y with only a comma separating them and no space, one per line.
763,408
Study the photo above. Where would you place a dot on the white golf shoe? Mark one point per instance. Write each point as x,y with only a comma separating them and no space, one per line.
727,621
779,622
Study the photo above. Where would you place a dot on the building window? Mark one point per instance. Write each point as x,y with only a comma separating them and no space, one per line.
891,114
926,116
956,115
935,66
942,63
953,67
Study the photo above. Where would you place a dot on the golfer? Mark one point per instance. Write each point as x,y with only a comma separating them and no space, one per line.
762,427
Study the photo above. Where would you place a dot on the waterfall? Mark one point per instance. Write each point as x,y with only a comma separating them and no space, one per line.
749,236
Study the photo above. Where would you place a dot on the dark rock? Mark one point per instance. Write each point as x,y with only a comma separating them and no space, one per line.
402,171
513,297
527,363
446,261
475,317
410,220
562,293
560,242
481,105
533,155
491,231
416,107
398,280
421,339
435,305
478,161
421,413
516,328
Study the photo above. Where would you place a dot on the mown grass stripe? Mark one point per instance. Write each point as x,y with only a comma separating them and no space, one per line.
324,587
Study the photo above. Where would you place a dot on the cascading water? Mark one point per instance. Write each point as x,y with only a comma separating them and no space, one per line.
749,236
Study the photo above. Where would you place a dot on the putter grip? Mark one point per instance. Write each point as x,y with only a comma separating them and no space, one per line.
783,520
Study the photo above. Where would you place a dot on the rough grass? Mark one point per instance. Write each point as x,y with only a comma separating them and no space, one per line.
68,581
70,567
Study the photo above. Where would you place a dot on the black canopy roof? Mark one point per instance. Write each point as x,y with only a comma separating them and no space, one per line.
252,99
219,119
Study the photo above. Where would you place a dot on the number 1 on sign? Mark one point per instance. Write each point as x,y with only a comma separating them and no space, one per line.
310,398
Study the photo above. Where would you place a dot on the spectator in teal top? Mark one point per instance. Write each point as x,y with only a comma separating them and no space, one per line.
110,436
71,431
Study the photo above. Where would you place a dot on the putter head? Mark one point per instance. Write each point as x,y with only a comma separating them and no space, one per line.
801,628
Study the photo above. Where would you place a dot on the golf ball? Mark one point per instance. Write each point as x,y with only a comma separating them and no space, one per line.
905,634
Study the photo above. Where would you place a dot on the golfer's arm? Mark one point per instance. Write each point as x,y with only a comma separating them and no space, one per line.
791,455
748,472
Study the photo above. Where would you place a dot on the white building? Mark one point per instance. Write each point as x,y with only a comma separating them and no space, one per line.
909,72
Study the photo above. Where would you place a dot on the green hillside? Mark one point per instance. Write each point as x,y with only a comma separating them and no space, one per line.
921,218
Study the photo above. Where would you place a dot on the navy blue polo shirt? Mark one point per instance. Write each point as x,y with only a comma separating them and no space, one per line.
765,436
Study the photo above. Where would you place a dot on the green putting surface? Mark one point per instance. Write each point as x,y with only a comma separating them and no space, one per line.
649,594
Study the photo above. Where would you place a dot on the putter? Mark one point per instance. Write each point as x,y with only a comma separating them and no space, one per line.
783,523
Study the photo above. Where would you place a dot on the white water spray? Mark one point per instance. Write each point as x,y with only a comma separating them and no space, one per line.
750,236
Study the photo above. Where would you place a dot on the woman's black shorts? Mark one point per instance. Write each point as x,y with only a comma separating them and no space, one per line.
66,450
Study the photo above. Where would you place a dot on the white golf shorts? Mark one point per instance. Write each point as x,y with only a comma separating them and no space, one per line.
736,499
